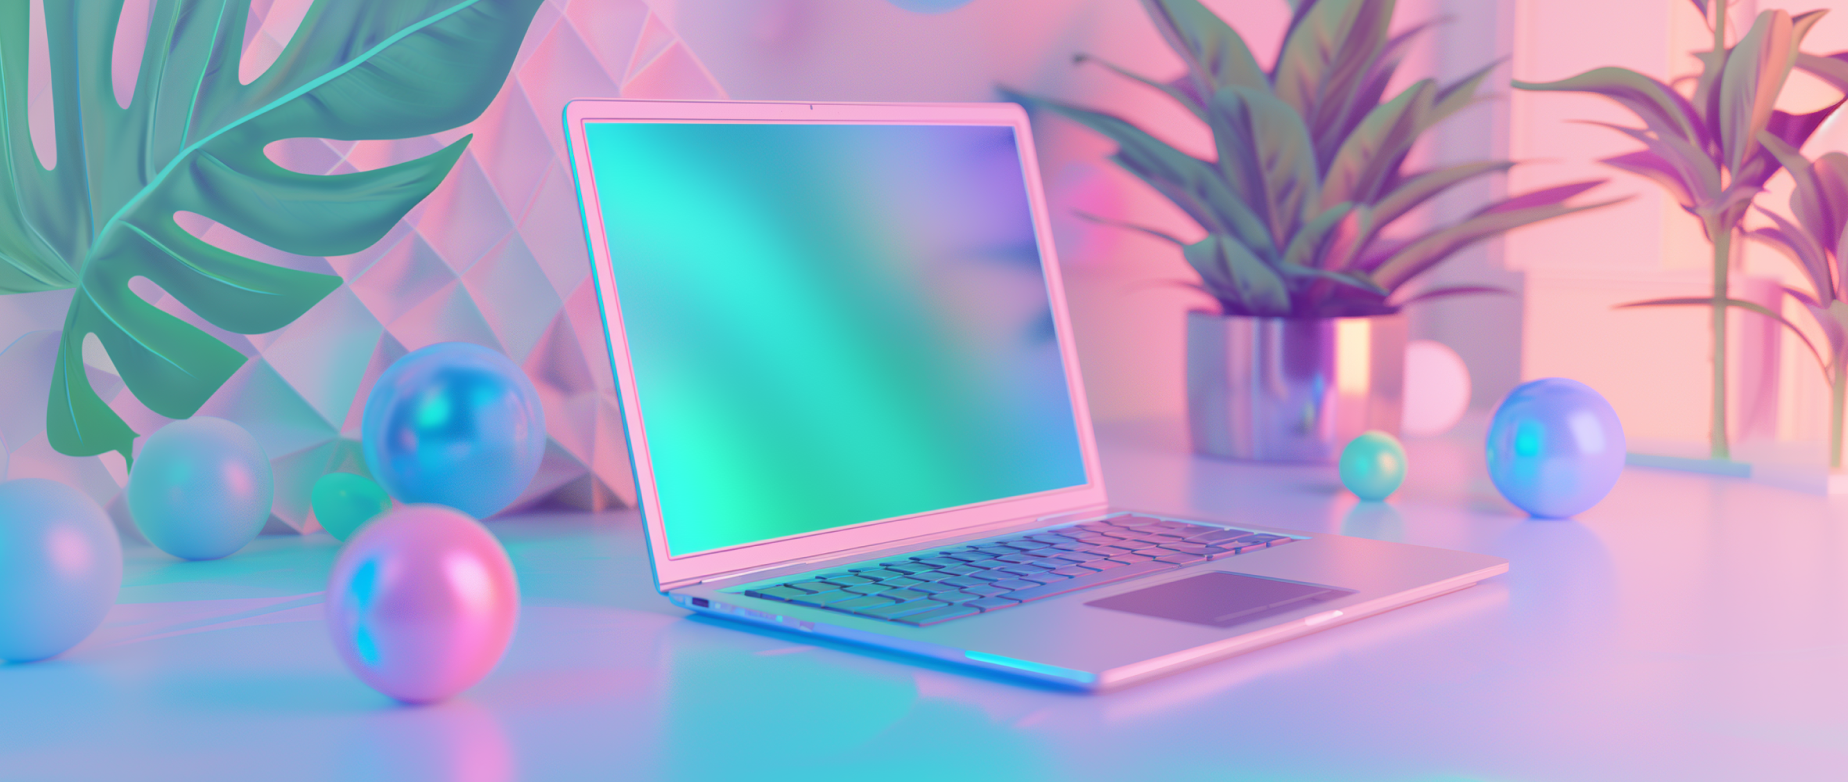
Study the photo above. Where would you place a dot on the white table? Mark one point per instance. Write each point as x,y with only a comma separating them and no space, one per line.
1688,628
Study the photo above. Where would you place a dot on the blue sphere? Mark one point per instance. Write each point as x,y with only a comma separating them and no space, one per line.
1373,465
454,424
60,568
1555,447
200,488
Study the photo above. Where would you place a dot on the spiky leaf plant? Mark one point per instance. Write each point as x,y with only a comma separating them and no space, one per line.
192,139
1309,180
1705,150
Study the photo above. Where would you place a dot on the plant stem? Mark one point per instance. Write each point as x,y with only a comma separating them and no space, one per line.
1838,388
1721,234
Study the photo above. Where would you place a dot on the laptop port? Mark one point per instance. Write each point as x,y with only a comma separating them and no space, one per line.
700,602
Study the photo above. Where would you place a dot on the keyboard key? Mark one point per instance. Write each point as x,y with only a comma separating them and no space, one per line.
1080,556
962,597
1129,559
1017,558
1111,551
813,586
847,581
907,582
1071,546
910,567
901,609
1102,564
992,603
940,562
1074,570
927,618
1049,578
1025,544
775,593
1025,570
1152,552
1194,548
931,575
904,595
964,582
1178,558
960,570
878,574
851,606
823,599
986,590
867,589
930,588
1216,536
1095,579
1014,583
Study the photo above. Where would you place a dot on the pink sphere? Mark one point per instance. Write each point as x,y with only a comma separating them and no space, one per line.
422,603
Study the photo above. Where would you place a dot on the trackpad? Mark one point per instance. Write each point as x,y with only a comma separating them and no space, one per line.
1220,599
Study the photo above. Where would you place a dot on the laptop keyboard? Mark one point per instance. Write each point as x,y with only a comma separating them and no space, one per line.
936,586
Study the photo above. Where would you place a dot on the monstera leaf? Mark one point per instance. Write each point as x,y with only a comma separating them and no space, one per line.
191,139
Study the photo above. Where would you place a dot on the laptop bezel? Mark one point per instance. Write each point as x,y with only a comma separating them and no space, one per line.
671,570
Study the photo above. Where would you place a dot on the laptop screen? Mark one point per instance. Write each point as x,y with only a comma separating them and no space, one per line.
831,324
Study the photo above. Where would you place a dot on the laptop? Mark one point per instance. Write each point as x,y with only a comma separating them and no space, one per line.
854,408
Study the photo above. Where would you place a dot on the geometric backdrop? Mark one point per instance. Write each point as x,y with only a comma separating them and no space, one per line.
495,256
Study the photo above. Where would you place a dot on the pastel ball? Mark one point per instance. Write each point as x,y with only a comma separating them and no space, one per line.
343,501
1555,447
1373,465
422,603
454,424
200,488
60,568
1436,388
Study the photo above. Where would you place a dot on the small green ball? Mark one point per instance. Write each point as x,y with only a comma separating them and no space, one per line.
1373,465
343,501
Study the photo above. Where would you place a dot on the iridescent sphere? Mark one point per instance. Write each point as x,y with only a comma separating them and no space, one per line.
422,603
200,488
454,424
60,568
1373,465
342,501
1555,447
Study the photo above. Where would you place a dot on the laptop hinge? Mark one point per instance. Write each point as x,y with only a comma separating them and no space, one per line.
972,532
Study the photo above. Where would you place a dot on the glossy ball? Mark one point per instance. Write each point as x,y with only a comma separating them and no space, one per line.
200,488
1555,447
454,424
422,603
60,568
1373,465
1436,388
342,501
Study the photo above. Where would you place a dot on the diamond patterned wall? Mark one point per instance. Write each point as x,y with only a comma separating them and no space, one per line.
495,257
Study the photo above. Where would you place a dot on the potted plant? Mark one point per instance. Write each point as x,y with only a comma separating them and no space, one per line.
1816,242
1304,253
1707,151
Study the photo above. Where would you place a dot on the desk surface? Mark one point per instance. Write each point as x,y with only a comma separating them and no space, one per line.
1688,628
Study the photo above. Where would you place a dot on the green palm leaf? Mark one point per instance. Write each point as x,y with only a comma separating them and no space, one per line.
191,139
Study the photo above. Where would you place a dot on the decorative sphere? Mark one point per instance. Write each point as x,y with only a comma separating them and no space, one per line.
342,501
422,603
1373,465
1555,447
454,424
60,568
1436,388
200,488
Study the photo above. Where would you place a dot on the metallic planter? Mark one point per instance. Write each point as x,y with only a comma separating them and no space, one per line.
1291,389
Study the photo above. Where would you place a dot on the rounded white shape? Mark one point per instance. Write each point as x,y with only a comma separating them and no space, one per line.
1436,388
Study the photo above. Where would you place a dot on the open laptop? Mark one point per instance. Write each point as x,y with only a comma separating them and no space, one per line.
854,408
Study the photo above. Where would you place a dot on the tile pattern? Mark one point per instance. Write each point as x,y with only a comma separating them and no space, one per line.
495,257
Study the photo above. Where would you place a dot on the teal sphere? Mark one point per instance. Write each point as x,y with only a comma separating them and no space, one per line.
200,488
343,501
60,568
1373,466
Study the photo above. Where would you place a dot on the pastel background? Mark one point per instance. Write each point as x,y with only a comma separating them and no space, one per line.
496,256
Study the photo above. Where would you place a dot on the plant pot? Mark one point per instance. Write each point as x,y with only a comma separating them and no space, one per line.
1291,389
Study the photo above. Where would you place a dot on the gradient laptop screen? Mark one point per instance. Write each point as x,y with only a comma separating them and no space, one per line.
831,324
